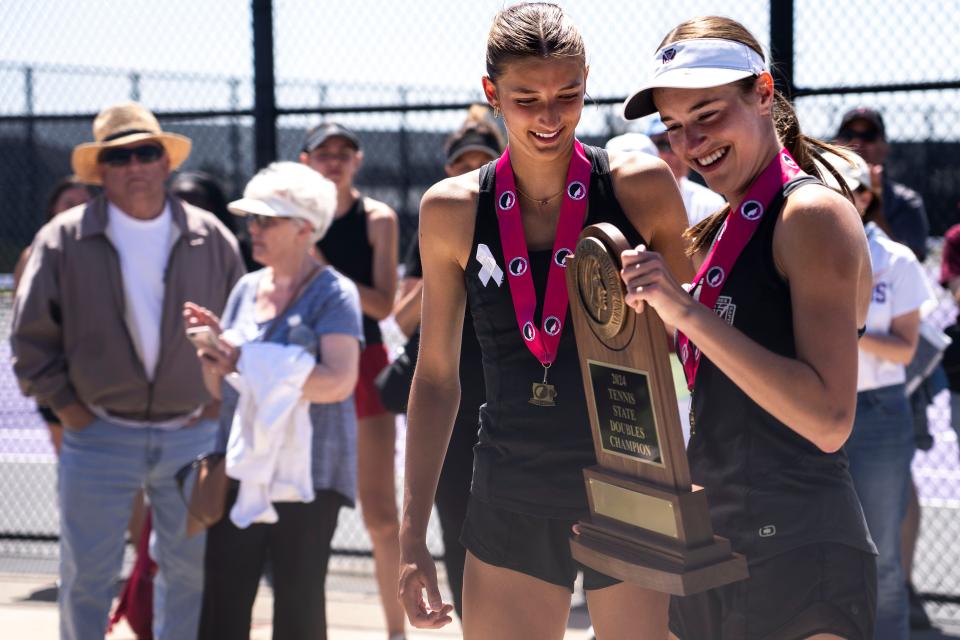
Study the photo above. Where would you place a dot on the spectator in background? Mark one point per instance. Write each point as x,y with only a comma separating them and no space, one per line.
862,130
203,190
881,445
98,336
476,143
294,301
698,200
65,194
362,245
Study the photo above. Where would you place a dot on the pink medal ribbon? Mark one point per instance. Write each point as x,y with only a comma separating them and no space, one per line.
733,237
542,341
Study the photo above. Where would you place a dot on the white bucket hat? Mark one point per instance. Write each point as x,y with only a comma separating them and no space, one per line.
694,64
289,190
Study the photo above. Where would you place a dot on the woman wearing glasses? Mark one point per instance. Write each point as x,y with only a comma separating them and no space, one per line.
293,300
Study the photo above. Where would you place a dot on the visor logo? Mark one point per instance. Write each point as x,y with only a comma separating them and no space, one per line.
751,210
715,276
576,190
668,55
507,200
518,267
529,332
552,325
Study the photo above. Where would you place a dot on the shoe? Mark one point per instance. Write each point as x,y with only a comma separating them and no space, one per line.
919,620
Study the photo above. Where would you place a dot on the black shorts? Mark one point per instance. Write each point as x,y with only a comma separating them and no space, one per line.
532,545
818,588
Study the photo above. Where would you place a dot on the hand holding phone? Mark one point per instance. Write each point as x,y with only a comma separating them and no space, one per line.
203,337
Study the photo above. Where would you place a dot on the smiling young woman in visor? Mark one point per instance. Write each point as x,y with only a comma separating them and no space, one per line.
774,377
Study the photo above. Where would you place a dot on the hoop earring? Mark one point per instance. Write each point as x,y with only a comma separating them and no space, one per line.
496,112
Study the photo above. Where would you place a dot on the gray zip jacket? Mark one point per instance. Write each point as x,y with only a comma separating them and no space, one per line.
72,336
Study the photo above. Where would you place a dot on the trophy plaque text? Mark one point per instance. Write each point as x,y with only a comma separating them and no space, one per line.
648,524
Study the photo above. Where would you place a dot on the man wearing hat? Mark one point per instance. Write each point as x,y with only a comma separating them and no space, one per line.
862,130
98,336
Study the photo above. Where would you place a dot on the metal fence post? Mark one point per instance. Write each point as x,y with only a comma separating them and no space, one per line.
233,138
135,86
781,45
264,85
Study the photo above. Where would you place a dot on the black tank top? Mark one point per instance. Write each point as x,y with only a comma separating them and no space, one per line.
769,489
530,459
347,247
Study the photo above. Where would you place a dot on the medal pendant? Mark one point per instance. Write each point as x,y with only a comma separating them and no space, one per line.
544,395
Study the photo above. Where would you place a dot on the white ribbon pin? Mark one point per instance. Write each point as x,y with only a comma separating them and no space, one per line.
488,264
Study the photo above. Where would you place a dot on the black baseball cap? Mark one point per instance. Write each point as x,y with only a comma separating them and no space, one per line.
868,115
326,130
472,139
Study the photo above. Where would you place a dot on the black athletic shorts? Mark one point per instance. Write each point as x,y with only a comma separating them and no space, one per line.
533,545
818,588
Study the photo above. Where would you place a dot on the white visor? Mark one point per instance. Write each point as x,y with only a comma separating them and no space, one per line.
694,64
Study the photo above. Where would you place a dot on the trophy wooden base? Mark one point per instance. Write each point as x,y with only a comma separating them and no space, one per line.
644,548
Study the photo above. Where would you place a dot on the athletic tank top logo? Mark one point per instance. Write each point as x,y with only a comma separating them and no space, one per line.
518,267
560,257
715,276
529,332
576,190
507,200
726,309
751,210
552,325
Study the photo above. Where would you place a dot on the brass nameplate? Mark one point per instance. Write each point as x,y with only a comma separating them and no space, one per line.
637,509
625,417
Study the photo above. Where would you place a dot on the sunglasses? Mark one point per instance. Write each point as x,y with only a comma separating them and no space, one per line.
264,222
121,157
863,136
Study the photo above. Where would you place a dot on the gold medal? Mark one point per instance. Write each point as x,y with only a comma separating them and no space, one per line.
544,395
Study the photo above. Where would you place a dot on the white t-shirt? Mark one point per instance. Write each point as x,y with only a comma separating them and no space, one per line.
699,201
899,286
143,246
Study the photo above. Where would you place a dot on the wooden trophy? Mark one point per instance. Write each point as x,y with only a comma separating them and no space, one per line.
648,525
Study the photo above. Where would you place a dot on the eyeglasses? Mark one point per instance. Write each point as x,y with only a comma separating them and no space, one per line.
863,136
264,222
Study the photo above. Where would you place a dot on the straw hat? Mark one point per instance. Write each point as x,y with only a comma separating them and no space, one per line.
120,125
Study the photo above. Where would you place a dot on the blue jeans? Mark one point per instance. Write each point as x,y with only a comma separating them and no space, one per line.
101,468
880,449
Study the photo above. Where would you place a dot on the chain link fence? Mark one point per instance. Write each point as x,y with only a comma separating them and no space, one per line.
400,76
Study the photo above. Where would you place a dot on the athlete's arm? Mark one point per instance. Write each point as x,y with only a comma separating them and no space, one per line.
446,229
821,250
382,230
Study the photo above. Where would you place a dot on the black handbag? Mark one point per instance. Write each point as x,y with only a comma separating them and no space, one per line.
393,383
